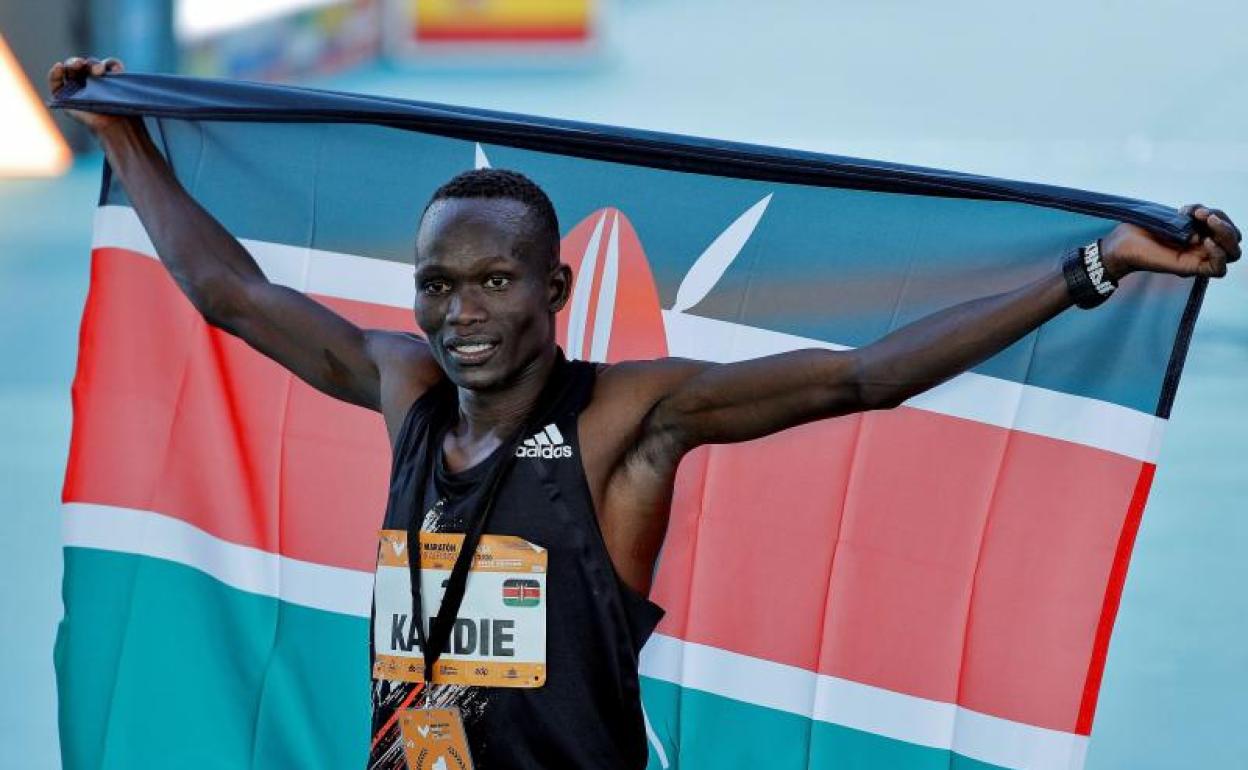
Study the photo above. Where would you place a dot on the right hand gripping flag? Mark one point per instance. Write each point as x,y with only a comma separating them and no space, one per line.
928,587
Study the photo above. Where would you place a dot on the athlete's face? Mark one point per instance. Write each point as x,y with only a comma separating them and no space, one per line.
486,289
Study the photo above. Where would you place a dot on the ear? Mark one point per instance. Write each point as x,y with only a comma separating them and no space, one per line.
560,287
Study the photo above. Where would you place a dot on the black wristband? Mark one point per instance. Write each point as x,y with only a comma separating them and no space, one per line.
1086,280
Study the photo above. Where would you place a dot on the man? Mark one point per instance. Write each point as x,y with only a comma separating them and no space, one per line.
496,436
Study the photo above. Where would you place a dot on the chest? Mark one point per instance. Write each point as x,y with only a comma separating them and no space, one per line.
541,491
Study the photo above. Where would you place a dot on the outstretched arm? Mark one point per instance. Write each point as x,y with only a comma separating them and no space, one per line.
741,401
225,284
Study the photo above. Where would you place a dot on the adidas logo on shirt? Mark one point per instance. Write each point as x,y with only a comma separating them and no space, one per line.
547,444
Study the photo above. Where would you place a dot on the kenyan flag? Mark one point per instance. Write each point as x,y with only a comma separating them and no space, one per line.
521,592
932,586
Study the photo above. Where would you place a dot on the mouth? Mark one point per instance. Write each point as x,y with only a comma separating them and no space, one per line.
470,351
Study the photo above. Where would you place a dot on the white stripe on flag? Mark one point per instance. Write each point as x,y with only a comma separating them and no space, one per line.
146,533
578,314
604,311
970,396
727,674
989,400
330,273
861,707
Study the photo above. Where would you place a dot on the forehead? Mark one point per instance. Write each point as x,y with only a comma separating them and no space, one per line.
483,228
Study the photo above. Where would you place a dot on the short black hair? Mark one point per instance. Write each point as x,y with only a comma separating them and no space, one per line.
501,183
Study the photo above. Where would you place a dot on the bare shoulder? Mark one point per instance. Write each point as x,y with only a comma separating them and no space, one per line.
636,386
624,394
406,369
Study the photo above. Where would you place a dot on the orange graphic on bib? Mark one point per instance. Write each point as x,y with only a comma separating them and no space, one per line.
434,739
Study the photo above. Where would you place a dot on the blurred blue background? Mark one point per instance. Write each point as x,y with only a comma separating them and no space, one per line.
1140,99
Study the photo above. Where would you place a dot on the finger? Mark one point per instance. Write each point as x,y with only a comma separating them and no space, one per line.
1225,235
1190,211
113,64
1199,214
78,69
56,77
1188,262
1215,264
1220,214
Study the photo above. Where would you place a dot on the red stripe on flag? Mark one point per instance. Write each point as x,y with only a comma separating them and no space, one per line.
852,547
1113,596
173,416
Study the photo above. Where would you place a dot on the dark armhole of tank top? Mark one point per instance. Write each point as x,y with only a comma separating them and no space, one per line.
422,405
643,614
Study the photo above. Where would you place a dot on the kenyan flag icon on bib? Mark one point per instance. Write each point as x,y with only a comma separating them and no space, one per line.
521,592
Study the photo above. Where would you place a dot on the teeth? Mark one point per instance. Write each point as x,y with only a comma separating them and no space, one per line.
479,347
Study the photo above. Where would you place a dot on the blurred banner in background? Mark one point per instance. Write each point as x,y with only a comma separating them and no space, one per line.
281,41
320,38
928,587
491,30
302,37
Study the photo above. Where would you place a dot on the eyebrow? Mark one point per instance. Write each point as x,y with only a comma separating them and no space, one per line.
490,264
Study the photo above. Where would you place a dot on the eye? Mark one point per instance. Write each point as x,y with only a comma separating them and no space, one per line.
435,286
497,282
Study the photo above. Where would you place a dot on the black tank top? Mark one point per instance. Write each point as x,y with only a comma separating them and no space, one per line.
588,713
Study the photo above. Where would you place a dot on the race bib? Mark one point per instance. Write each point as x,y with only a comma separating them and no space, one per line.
499,635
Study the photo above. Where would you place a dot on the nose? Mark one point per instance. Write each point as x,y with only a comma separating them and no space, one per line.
466,308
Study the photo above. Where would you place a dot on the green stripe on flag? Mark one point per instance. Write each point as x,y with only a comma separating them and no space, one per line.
160,665
708,732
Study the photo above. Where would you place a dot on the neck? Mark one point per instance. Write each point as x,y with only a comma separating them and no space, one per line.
500,412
